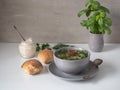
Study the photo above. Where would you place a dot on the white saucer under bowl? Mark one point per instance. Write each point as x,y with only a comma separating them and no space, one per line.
89,72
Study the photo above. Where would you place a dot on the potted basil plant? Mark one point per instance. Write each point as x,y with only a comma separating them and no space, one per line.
97,22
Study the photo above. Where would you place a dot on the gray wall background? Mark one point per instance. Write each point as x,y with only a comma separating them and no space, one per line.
51,20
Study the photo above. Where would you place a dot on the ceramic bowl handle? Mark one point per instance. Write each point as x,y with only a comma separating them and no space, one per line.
98,61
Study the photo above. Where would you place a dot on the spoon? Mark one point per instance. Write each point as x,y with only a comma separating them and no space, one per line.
96,62
19,33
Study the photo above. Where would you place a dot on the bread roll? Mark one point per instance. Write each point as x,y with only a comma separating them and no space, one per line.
46,56
32,66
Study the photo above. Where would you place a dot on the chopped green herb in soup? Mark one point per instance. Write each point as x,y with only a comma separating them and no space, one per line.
72,54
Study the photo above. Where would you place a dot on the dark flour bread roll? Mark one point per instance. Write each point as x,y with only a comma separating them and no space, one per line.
32,66
45,56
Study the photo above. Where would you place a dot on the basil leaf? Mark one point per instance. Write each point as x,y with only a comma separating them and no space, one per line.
91,20
95,5
102,8
102,14
38,47
60,45
100,22
107,30
101,30
82,12
88,12
84,23
92,29
108,21
88,2
45,46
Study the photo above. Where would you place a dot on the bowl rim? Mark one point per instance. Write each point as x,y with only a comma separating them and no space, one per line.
72,48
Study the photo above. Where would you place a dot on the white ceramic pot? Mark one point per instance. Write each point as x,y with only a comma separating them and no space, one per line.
96,42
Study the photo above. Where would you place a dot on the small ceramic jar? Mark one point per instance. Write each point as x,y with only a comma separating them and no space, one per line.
27,48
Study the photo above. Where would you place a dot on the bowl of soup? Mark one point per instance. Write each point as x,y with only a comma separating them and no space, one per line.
71,60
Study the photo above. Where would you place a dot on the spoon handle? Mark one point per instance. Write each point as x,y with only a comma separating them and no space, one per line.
96,62
19,33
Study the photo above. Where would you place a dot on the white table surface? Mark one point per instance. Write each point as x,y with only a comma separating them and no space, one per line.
12,77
